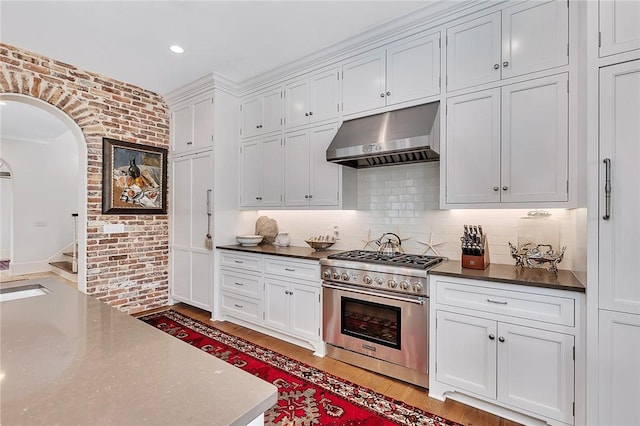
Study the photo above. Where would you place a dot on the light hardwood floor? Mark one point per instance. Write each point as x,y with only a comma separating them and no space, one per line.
395,389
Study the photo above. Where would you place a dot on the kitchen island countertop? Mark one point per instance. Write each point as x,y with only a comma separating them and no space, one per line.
289,251
564,280
68,358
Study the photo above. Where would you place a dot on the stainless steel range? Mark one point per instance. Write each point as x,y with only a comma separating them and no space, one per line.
376,312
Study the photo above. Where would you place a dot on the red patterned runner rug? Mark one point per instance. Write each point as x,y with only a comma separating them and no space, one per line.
306,395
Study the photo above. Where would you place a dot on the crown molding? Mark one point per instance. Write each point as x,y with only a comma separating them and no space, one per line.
436,13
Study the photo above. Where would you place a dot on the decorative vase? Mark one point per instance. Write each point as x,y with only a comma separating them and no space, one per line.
282,239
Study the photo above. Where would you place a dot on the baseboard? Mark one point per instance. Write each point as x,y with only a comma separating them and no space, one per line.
30,267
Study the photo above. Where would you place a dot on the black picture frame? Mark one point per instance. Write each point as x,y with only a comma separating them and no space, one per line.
134,178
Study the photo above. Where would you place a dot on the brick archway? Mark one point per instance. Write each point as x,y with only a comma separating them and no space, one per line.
127,270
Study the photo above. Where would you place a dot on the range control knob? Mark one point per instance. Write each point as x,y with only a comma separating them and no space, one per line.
326,274
336,276
366,279
345,277
404,285
379,281
392,284
417,287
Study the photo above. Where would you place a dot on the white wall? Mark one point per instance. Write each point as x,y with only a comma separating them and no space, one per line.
404,199
45,194
6,201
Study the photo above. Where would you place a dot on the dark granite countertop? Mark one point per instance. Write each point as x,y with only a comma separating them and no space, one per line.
564,280
290,251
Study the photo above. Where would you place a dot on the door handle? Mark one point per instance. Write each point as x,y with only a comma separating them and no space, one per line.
607,188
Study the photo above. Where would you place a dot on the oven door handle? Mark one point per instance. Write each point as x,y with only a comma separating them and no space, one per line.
418,301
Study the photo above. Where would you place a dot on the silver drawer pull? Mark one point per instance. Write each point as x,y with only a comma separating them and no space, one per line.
496,301
237,283
238,261
289,269
238,306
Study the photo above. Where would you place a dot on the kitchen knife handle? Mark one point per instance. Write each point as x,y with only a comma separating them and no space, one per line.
607,188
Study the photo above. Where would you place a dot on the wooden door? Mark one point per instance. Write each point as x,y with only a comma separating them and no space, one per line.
324,177
413,69
466,352
363,83
619,252
535,37
535,140
473,52
536,371
473,148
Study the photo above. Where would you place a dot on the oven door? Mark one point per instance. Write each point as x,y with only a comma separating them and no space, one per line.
389,327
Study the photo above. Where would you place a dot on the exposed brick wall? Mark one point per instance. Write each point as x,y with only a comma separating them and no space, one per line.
128,270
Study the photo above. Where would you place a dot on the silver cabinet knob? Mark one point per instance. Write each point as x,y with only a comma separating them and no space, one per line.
492,337
388,93
189,143
501,339
306,196
310,112
495,188
382,95
257,126
505,64
504,188
310,196
496,66
306,114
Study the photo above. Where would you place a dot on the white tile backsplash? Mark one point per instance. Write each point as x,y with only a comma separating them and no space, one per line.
404,199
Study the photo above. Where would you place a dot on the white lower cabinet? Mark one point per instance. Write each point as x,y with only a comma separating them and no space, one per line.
485,349
619,365
277,295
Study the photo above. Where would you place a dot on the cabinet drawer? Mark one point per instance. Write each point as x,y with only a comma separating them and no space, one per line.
241,307
290,269
241,260
240,283
551,309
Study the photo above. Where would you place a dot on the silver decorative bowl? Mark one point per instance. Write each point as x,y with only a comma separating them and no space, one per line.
319,245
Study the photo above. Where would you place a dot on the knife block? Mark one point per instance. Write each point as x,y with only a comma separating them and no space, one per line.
477,262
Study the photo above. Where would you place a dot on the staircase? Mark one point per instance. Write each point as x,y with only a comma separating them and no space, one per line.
69,269
65,268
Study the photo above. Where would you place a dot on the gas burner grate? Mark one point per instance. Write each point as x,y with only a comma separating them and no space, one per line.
400,259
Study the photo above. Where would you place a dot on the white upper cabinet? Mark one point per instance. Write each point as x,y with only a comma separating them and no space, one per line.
528,37
261,113
403,71
309,179
473,147
473,52
509,144
619,26
312,99
261,173
192,126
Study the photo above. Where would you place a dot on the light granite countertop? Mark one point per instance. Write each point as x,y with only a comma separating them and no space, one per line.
68,359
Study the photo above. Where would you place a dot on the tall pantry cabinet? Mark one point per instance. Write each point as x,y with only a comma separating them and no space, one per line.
619,232
616,315
191,177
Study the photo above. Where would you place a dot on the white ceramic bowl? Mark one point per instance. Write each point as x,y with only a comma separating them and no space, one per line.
249,240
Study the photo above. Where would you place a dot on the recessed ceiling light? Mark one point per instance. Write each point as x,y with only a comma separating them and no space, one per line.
176,49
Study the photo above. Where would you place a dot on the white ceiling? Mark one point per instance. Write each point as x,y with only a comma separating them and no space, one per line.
27,123
129,40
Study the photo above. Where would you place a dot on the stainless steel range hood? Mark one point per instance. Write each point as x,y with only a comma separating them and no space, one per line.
408,135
